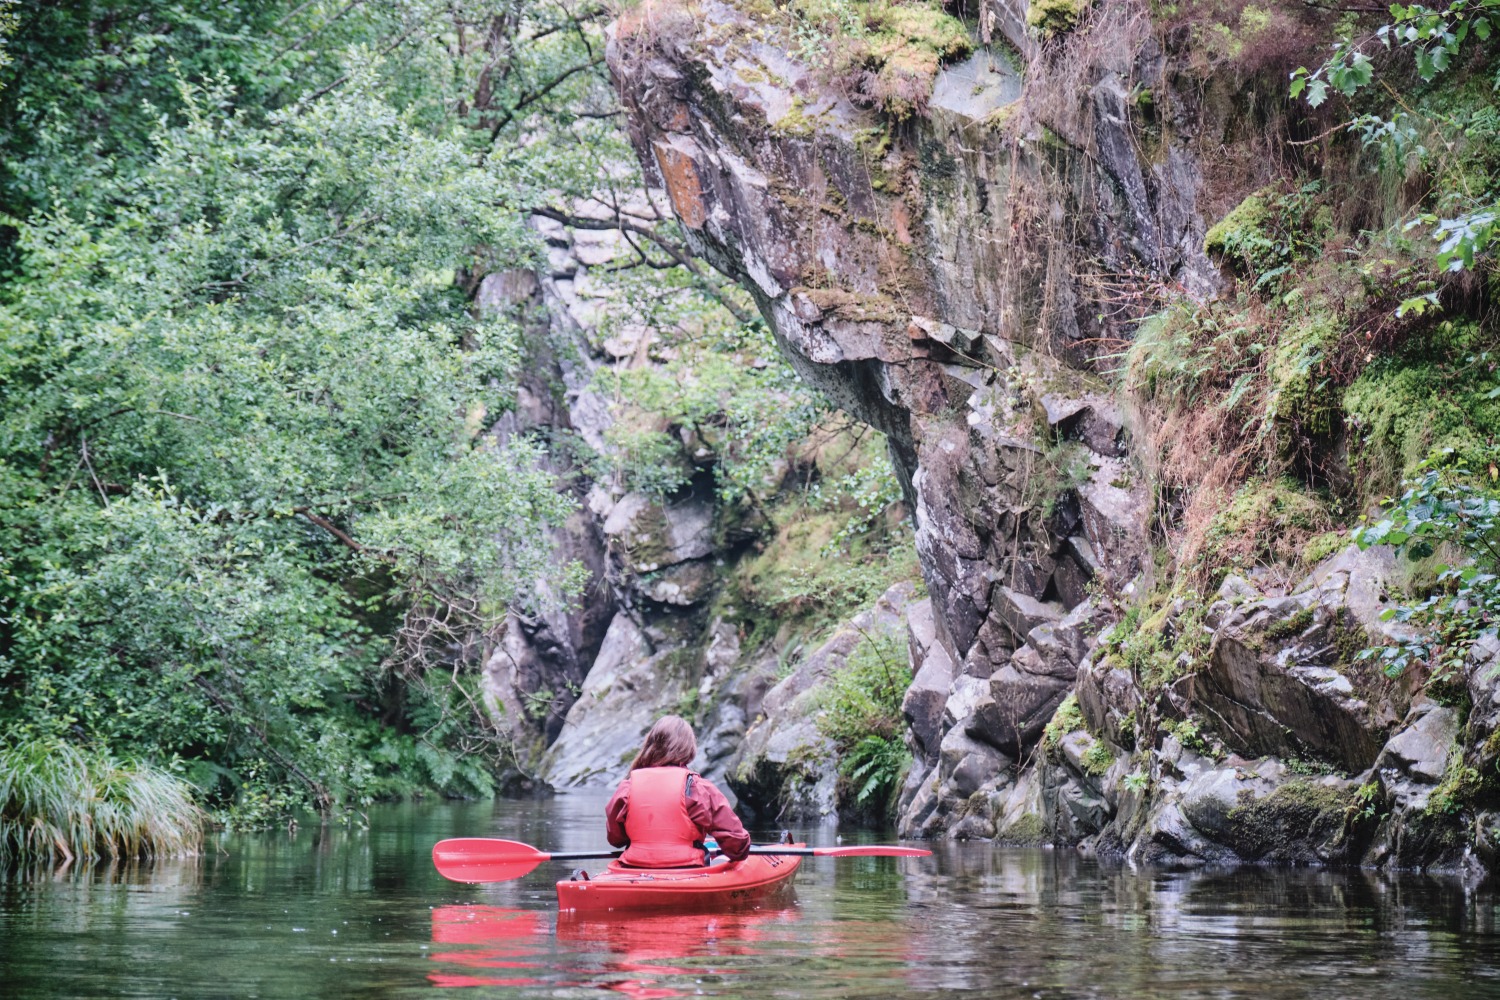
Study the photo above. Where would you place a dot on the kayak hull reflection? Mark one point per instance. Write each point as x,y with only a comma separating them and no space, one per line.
733,885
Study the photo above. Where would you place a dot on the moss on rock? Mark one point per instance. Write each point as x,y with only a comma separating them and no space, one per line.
1067,719
1298,821
1404,409
1028,831
1053,17
1267,523
1239,228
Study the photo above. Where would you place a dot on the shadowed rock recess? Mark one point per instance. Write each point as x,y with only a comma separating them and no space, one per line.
952,272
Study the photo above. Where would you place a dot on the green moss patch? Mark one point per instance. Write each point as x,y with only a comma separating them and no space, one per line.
885,54
1437,398
1067,719
1157,647
1293,822
1028,831
1053,17
1287,628
1268,522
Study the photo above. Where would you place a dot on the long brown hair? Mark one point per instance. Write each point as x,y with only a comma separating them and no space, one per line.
670,743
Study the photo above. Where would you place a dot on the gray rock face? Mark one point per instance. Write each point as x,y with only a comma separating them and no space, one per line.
941,286
604,727
1284,679
959,366
933,672
1482,674
655,562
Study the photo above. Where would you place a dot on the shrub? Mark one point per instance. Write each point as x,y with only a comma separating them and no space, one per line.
58,800
861,713
1445,506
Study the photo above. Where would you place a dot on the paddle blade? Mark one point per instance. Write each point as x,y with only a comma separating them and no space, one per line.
870,851
484,859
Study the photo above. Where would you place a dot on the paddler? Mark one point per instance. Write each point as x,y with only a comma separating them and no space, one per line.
663,813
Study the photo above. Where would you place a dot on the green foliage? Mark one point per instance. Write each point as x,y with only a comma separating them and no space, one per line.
1268,232
1190,736
860,711
875,765
1437,395
1161,639
1097,759
1053,17
1321,547
1444,507
246,504
9,21
58,801
863,697
1460,786
833,549
1366,801
1467,211
728,392
1063,467
1067,719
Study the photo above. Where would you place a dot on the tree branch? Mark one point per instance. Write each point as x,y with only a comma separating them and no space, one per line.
679,255
534,96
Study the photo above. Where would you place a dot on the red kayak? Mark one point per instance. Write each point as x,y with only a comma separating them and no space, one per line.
736,884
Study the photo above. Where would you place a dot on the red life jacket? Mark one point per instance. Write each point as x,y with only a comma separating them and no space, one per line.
662,834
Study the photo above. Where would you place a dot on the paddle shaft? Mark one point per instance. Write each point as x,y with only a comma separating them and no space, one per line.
805,852
483,859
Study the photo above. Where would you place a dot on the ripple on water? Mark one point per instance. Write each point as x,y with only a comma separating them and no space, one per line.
336,913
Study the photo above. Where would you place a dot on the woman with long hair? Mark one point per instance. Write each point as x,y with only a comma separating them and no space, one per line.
662,812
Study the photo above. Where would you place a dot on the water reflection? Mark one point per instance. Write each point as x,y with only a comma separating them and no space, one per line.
647,955
350,913
489,938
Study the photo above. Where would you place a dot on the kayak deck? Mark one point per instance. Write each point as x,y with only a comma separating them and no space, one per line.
738,883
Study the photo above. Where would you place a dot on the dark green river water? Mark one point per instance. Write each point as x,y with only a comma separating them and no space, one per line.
361,913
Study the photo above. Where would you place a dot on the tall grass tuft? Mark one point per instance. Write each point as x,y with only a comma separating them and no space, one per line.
61,802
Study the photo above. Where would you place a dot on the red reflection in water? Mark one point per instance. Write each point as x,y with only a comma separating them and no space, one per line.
649,947
651,944
649,956
512,939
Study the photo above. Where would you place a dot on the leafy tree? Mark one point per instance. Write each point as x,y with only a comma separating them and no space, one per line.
246,500
1445,506
1467,193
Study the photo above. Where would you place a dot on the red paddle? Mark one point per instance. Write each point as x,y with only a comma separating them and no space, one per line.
484,859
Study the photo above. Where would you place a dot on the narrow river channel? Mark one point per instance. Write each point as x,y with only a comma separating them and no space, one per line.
362,913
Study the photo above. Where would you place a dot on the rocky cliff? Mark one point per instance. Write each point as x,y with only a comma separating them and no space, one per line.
685,607
953,230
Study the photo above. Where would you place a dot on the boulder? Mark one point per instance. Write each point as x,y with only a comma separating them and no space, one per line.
1022,697
965,764
1283,679
1482,675
619,702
